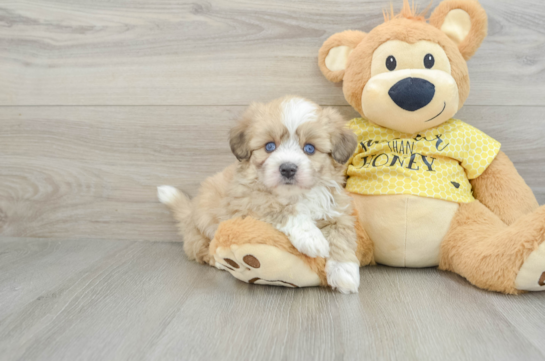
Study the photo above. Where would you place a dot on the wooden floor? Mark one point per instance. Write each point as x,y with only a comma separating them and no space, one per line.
127,300
103,100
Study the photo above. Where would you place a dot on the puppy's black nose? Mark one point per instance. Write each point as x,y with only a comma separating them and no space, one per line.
288,170
412,93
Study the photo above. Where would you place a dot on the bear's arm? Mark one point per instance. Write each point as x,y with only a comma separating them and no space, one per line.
503,191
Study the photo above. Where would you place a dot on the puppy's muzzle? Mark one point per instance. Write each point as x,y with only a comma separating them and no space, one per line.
288,170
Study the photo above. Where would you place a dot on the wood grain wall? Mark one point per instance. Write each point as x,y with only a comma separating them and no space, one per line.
101,101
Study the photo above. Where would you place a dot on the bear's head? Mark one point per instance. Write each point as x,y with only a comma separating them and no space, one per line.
407,74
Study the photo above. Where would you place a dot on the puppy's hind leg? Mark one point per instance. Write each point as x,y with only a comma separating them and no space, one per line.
196,246
195,243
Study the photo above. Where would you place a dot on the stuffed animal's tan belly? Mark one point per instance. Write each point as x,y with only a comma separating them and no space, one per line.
406,230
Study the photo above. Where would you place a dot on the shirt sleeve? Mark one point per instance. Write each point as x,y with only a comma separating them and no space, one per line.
480,150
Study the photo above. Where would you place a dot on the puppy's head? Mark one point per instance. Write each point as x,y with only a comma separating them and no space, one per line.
292,143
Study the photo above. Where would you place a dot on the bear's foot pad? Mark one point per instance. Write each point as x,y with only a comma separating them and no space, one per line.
531,276
265,265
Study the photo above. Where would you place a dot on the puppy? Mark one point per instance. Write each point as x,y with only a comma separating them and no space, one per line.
290,173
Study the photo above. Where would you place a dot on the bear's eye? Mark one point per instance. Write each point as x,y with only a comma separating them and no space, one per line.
270,147
391,63
429,61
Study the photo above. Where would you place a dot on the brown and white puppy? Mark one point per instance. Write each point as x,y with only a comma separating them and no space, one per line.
292,156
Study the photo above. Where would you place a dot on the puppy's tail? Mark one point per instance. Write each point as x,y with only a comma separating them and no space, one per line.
178,202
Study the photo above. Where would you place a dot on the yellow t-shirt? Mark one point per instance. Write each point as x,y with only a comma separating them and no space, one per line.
437,163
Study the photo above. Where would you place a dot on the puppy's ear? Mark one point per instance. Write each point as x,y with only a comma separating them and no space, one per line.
334,53
344,144
238,140
343,139
464,21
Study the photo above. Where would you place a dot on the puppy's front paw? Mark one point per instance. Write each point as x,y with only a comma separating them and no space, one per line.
343,276
310,241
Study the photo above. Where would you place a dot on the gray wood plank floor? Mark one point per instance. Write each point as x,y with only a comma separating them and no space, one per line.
127,300
101,101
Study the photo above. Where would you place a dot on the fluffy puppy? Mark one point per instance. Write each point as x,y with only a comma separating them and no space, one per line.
290,173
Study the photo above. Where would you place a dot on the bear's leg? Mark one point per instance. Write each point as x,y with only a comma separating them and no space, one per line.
492,255
255,252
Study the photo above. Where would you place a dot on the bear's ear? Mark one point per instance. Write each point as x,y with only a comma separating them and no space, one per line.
334,53
464,21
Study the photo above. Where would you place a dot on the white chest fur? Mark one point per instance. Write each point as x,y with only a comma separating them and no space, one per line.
317,203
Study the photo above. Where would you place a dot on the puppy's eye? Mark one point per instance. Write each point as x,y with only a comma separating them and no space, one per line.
270,147
391,63
429,61
309,149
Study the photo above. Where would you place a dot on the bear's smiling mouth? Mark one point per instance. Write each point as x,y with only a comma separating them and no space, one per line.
441,112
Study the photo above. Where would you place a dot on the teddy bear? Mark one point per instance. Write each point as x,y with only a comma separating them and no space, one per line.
428,190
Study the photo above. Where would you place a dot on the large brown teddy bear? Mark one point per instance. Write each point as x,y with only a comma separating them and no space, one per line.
429,190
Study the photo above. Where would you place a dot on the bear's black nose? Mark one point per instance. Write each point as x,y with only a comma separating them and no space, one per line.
412,93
